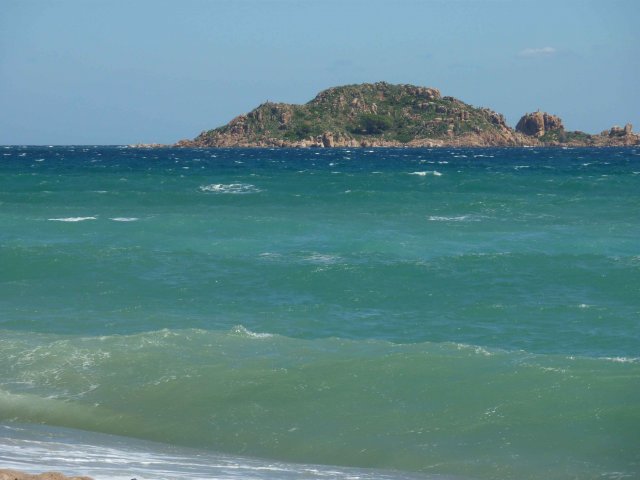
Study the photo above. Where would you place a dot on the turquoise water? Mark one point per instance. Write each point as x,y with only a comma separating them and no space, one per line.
464,312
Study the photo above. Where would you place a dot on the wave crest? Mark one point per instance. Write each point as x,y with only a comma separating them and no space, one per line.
435,173
71,219
233,188
245,332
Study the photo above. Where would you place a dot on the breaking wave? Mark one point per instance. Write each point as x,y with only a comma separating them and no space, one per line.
234,188
71,219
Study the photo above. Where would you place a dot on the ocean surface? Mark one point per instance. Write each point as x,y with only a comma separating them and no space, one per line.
339,313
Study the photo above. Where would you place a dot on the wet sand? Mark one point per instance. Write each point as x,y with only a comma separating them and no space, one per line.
18,475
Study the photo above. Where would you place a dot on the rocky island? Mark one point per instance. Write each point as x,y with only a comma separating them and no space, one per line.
386,115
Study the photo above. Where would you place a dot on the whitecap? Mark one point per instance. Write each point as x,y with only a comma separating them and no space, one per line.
622,359
242,330
270,255
322,259
234,188
71,219
459,218
424,174
124,219
478,350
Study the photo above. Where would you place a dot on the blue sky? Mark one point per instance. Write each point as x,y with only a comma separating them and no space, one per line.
126,71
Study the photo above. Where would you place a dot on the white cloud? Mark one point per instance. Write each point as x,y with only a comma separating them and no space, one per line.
537,52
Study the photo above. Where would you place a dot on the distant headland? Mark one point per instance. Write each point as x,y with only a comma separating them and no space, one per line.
386,115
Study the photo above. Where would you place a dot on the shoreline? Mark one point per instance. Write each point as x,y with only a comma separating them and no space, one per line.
317,147
11,474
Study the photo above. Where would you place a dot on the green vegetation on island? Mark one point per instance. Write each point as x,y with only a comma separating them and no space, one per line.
383,114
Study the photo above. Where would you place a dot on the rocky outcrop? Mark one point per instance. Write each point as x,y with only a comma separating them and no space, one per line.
386,115
538,124
621,136
617,131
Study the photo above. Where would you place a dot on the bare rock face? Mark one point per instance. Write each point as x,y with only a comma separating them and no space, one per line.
327,139
427,93
619,136
538,123
617,131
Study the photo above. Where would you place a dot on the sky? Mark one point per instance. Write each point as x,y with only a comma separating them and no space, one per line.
129,71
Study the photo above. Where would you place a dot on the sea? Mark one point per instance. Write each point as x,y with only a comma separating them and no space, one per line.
449,314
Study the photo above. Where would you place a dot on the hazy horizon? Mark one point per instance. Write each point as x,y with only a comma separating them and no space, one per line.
102,72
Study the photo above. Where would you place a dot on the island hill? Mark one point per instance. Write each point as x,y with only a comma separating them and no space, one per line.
387,115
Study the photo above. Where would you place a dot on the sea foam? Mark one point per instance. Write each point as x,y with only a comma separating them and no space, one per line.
109,457
245,332
71,219
234,188
459,218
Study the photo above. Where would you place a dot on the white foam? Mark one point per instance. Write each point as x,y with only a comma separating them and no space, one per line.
35,448
124,219
270,255
322,259
435,173
71,219
232,188
622,359
478,350
460,218
242,330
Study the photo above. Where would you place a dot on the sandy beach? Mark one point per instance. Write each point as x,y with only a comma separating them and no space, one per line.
6,474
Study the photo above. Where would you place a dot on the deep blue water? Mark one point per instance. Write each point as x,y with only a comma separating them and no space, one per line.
464,312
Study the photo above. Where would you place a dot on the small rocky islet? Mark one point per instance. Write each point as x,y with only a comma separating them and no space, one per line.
387,115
